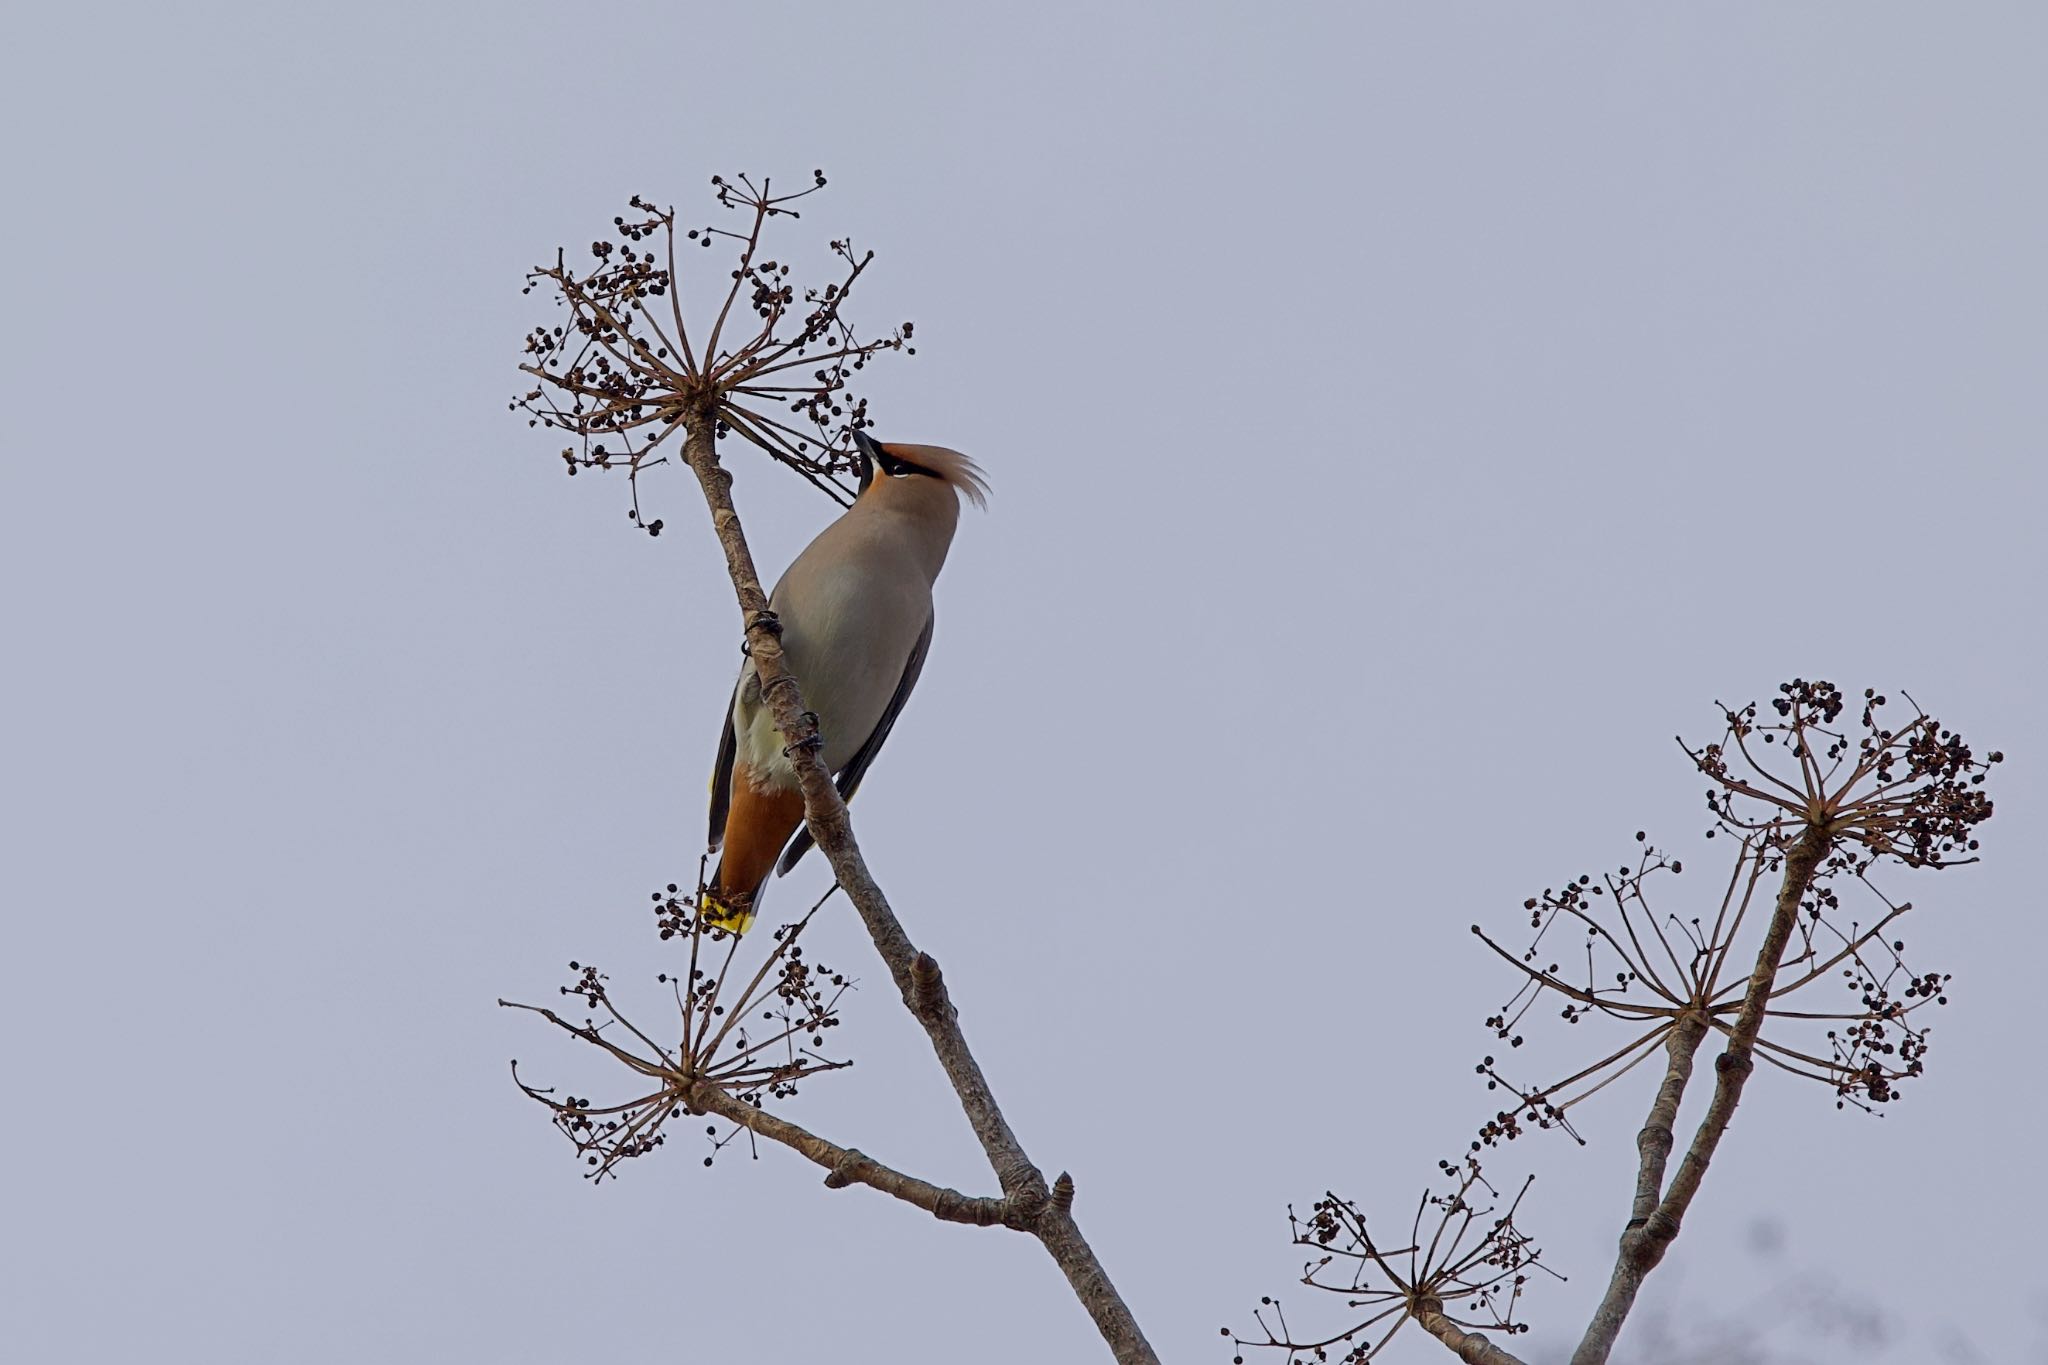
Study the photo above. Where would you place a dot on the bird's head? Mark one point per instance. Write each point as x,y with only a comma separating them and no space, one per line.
885,463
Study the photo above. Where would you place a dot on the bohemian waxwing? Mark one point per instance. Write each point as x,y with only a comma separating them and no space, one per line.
856,614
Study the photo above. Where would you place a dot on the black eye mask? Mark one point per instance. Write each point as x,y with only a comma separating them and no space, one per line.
873,456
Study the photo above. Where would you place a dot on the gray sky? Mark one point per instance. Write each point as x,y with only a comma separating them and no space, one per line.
1403,420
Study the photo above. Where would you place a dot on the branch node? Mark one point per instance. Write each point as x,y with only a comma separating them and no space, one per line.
1063,1193
1475,1347
842,1174
927,985
1027,1199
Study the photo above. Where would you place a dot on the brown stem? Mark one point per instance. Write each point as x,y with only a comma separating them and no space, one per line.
1658,1212
1654,1142
1474,1348
916,974
845,1166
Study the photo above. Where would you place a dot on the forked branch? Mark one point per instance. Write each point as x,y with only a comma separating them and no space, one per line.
1657,1216
1807,830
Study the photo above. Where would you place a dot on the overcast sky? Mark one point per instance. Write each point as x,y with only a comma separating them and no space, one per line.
1402,419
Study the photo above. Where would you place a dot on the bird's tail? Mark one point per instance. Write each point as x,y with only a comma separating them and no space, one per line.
722,909
758,825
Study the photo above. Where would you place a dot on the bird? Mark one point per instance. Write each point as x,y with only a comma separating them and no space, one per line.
855,610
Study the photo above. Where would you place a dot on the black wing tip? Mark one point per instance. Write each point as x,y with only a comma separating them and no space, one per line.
721,783
794,854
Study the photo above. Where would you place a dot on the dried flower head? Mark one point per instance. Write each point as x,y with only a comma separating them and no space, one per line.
1914,793
1798,786
621,373
1816,811
749,1036
1469,1273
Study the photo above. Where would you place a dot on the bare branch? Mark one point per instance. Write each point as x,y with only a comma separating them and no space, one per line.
848,1166
916,974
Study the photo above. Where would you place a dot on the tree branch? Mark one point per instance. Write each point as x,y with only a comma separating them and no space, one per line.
1474,1348
846,1166
1047,1216
1658,1214
1655,1141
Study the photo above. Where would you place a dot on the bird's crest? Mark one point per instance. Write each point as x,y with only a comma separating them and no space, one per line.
948,466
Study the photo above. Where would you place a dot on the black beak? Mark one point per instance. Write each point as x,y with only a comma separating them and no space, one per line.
868,449
875,459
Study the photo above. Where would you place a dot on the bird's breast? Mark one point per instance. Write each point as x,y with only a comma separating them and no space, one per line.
848,628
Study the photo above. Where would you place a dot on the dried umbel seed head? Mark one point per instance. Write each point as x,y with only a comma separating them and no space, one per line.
1741,969
1626,949
621,371
1913,793
751,1032
1463,1256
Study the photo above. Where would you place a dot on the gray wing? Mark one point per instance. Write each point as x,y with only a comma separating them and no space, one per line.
856,767
721,780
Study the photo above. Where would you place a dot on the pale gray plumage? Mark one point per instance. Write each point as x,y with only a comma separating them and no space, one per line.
856,615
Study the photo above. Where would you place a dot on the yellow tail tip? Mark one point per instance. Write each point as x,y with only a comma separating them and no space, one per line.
717,914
